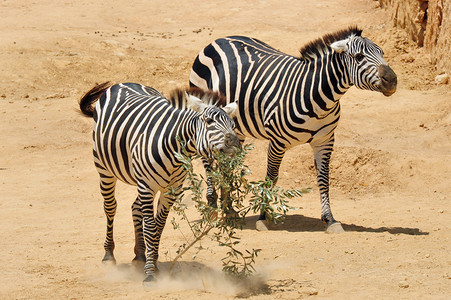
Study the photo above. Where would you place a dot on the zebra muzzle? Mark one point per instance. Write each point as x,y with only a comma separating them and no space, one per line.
389,80
231,144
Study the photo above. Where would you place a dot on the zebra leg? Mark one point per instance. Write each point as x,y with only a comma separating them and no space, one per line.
275,156
212,196
107,188
146,197
156,225
227,204
140,247
226,201
322,158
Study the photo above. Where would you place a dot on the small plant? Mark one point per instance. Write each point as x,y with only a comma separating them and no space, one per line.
221,223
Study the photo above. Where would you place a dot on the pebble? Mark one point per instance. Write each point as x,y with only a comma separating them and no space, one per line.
403,284
442,79
308,290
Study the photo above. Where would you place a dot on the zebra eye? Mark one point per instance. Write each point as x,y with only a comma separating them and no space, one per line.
359,57
209,121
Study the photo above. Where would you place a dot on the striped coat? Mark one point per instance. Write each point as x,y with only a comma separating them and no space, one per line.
136,132
292,100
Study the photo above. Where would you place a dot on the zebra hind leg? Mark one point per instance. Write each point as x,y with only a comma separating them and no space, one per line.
140,247
107,188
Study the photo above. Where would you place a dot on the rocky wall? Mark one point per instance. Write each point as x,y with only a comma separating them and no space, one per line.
428,23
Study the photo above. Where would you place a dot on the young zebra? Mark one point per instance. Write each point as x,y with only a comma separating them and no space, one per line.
136,133
289,100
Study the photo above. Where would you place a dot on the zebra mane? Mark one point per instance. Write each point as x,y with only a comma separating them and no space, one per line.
315,47
178,99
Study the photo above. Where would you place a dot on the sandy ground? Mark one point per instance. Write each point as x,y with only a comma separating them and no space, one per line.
390,175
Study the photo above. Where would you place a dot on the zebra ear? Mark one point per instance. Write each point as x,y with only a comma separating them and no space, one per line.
195,103
231,109
340,46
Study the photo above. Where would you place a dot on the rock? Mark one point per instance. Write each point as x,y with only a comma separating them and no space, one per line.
403,284
308,290
442,79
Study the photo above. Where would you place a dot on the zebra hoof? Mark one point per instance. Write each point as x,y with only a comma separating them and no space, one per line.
109,259
148,282
335,228
139,261
262,225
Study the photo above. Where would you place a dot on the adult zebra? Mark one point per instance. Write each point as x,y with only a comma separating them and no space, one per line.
135,137
289,100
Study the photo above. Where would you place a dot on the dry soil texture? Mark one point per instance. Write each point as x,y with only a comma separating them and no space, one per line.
390,173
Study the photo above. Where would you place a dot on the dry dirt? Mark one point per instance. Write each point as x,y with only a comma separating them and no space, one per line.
390,175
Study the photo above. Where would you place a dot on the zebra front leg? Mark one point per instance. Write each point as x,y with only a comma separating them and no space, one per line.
212,196
146,196
227,204
107,188
140,247
153,228
275,155
322,158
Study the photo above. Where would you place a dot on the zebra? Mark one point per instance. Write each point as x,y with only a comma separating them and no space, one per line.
136,133
292,100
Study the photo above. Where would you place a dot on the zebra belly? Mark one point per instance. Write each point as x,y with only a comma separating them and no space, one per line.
114,161
122,159
311,130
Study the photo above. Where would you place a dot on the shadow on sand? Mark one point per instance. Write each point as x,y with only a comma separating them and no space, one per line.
300,223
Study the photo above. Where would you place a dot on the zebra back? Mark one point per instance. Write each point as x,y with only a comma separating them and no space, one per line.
179,100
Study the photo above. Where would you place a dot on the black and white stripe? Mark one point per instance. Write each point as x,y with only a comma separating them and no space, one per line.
292,100
136,132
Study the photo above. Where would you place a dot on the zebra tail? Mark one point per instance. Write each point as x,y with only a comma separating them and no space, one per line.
87,101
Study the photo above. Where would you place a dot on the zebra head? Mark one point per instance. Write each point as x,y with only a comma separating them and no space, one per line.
215,127
365,63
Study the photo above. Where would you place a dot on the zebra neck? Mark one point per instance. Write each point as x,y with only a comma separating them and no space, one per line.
333,78
340,74
322,81
186,133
